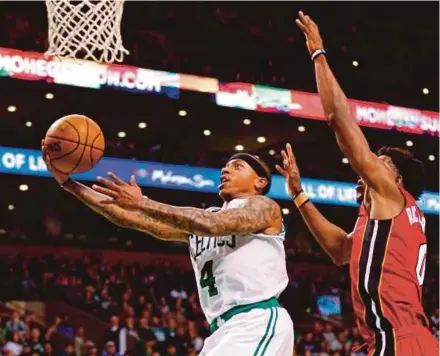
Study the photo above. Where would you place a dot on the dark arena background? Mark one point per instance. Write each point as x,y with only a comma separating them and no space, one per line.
202,81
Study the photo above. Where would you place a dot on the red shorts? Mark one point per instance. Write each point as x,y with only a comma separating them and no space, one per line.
414,340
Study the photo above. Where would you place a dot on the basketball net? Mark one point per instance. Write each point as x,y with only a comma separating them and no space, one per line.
86,29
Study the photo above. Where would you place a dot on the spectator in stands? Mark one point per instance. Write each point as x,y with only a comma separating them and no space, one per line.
48,350
28,286
325,350
181,340
30,321
35,341
110,350
354,335
338,343
133,335
307,344
92,350
157,329
146,336
163,306
126,306
107,303
91,300
317,329
328,334
171,328
27,350
15,324
69,350
80,342
140,304
117,334
177,321
15,344
53,328
171,351
196,340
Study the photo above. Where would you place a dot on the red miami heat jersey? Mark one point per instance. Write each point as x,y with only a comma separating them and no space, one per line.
387,268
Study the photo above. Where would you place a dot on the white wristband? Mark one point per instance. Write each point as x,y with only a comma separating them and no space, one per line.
317,53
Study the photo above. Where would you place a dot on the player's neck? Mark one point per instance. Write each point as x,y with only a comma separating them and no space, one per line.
238,196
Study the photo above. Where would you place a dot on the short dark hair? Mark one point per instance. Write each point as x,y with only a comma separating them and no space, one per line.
410,168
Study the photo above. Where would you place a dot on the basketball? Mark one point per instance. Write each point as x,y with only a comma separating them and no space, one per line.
75,144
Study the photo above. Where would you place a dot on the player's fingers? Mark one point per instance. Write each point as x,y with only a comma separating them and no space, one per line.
290,153
301,26
107,183
304,18
133,181
284,155
105,191
46,157
115,178
281,170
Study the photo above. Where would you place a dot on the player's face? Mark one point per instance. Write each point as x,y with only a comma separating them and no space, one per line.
238,179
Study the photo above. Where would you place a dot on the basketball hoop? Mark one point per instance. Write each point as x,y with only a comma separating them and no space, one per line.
86,30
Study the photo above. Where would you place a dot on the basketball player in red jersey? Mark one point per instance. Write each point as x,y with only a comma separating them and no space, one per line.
387,248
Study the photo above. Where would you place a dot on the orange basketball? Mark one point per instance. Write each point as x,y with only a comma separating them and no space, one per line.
75,144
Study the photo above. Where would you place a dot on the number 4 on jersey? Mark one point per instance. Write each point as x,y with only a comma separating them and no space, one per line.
207,279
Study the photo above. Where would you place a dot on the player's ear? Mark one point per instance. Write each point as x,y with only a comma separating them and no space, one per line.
261,183
399,180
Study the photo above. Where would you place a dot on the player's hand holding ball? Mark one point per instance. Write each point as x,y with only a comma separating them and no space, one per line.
290,171
61,178
311,31
73,144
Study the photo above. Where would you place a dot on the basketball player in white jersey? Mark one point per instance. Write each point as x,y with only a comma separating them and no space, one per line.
237,252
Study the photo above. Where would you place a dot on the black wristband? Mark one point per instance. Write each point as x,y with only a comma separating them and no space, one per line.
317,53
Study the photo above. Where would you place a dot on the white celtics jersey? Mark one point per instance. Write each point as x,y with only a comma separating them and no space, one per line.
237,270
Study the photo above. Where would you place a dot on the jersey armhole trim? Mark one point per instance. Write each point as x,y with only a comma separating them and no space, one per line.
398,214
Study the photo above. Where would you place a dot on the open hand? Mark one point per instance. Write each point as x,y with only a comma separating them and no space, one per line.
290,171
125,195
311,31
60,177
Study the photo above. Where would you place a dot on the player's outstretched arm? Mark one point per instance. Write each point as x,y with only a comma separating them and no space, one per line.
115,214
122,217
259,214
332,238
350,138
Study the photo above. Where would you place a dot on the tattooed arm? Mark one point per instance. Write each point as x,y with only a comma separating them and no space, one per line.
259,214
125,218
